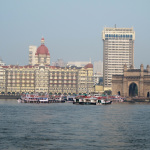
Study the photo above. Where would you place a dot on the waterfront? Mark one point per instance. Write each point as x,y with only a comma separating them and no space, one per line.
61,126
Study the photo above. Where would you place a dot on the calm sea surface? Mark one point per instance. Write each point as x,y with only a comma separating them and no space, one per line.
66,126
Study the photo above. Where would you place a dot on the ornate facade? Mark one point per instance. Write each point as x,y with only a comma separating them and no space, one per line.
43,78
133,82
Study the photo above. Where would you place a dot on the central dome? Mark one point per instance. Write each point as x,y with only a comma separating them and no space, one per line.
42,49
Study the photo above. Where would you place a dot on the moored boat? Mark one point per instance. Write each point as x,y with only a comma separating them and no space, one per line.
117,98
91,101
59,99
43,100
103,102
70,99
33,98
19,100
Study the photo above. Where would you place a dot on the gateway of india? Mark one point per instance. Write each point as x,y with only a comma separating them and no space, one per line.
40,77
133,82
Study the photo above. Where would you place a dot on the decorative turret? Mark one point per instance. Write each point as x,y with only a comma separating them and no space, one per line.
148,68
131,67
42,41
125,68
142,68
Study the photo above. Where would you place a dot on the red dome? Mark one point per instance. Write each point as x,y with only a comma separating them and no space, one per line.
88,66
42,50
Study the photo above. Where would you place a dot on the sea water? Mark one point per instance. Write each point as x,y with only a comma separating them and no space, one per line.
66,126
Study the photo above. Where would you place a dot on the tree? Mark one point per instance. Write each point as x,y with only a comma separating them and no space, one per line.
108,92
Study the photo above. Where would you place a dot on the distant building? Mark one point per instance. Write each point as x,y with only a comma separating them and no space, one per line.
98,67
77,63
32,51
98,73
98,79
59,63
98,89
118,49
1,62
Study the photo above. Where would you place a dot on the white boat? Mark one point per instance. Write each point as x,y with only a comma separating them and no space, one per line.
59,99
70,99
33,98
43,100
19,100
85,100
103,102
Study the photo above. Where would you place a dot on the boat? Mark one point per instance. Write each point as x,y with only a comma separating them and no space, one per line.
43,100
103,102
91,100
117,98
59,99
19,100
70,99
33,98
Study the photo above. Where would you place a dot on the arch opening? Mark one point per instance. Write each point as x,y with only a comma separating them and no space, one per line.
133,90
148,94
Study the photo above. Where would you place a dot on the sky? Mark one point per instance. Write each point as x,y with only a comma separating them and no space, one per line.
72,28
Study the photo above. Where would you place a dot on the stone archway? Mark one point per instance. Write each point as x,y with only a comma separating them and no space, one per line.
133,90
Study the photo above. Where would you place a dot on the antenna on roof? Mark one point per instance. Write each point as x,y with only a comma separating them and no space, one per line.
115,25
90,60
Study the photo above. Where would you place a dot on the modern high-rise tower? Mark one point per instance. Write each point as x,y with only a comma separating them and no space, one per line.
118,50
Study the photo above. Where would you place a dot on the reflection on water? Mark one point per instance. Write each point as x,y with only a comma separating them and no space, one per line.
67,126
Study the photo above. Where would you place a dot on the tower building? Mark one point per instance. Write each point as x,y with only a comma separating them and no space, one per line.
118,49
32,51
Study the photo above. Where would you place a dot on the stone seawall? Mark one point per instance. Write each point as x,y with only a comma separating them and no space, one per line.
9,96
137,99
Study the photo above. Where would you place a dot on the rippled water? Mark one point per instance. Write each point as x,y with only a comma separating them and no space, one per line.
67,127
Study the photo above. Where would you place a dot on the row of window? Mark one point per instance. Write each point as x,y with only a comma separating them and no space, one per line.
118,35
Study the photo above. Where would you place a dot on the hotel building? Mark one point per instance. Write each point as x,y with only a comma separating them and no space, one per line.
118,49
40,77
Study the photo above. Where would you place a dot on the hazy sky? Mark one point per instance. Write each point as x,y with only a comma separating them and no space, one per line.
72,28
